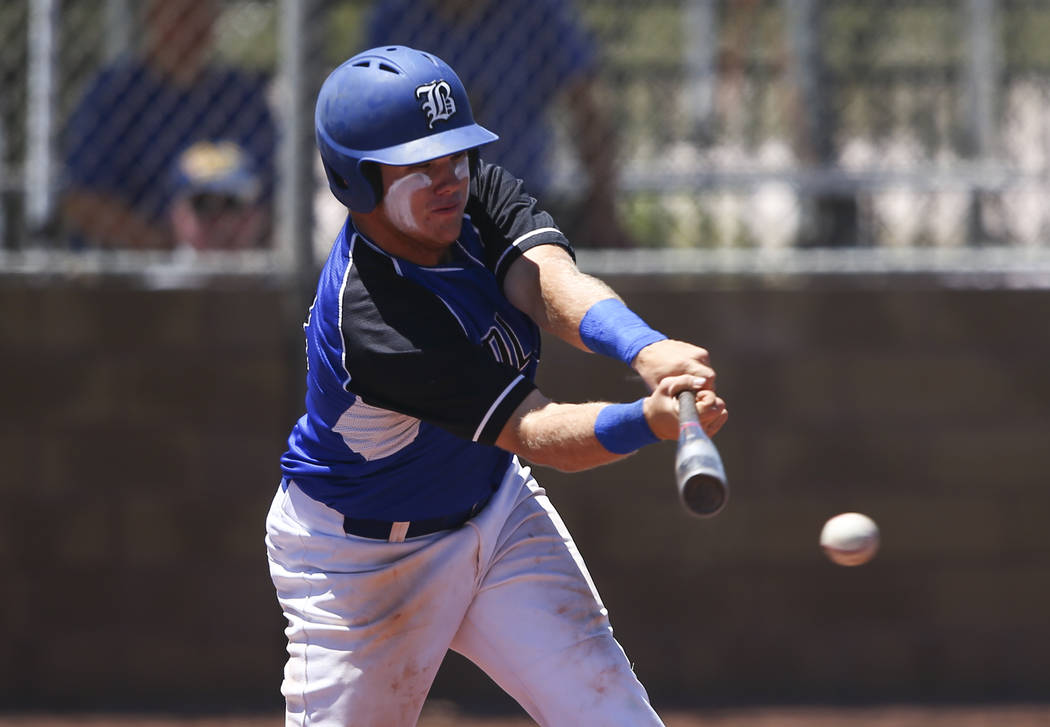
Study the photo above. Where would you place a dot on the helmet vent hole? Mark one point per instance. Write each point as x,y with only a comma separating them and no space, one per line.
388,69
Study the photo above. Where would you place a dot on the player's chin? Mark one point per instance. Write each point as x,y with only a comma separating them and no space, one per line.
446,226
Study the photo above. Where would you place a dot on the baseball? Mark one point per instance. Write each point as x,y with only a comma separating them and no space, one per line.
850,538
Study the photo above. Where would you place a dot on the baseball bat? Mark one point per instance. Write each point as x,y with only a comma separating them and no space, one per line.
702,485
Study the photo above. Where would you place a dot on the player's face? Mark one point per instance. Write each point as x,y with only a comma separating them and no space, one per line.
423,204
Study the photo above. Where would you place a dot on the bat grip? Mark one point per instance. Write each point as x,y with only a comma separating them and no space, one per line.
687,408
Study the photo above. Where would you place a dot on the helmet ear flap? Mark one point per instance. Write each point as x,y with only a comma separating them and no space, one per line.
374,177
337,179
361,194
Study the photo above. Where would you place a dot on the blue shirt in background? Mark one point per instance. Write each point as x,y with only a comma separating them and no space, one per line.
131,124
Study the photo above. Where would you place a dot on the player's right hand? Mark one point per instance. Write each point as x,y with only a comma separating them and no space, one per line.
661,407
670,357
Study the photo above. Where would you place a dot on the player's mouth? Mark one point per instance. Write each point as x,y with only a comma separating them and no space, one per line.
454,207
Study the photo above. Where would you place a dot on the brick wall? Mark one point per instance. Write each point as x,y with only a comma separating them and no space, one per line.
141,431
140,435
928,410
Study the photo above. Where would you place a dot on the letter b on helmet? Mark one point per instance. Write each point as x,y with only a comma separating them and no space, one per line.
390,105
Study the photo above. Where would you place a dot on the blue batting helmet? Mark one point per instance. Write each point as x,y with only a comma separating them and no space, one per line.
391,105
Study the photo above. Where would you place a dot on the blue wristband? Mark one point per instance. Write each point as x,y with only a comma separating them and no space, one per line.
622,428
611,328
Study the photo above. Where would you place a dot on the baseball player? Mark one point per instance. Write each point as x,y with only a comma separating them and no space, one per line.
407,522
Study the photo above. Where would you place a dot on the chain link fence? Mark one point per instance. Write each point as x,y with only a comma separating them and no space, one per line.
175,129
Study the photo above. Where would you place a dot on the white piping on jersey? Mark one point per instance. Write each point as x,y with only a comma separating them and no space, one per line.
342,293
396,261
467,252
535,232
446,269
477,232
522,239
373,432
454,314
400,272
496,403
393,260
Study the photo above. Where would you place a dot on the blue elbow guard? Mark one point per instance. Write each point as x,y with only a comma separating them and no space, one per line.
622,428
611,328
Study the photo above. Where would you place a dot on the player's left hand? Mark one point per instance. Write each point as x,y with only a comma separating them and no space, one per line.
661,406
673,358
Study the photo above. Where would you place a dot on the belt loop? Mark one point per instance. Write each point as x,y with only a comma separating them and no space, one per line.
398,531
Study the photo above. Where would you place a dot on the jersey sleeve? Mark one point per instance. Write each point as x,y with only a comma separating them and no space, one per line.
508,218
415,358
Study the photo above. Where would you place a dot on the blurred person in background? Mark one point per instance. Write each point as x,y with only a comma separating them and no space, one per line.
520,59
140,113
217,204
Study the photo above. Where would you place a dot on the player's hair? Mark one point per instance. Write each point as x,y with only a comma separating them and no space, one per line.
390,105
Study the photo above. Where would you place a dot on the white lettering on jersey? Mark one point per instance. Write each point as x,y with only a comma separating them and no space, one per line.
504,344
436,101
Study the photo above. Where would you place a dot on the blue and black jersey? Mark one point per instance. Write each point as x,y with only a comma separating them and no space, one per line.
414,370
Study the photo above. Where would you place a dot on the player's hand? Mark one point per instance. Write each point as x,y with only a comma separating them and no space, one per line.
672,358
661,407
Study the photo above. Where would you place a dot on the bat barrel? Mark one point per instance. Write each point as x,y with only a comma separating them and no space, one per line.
701,479
704,495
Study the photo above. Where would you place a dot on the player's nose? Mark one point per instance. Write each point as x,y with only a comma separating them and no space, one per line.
449,172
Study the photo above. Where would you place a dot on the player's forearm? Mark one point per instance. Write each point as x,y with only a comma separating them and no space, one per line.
547,285
574,437
559,436
585,312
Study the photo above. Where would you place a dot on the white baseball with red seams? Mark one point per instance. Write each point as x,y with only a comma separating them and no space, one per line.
850,539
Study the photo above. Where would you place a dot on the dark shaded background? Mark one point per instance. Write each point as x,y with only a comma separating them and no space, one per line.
141,432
